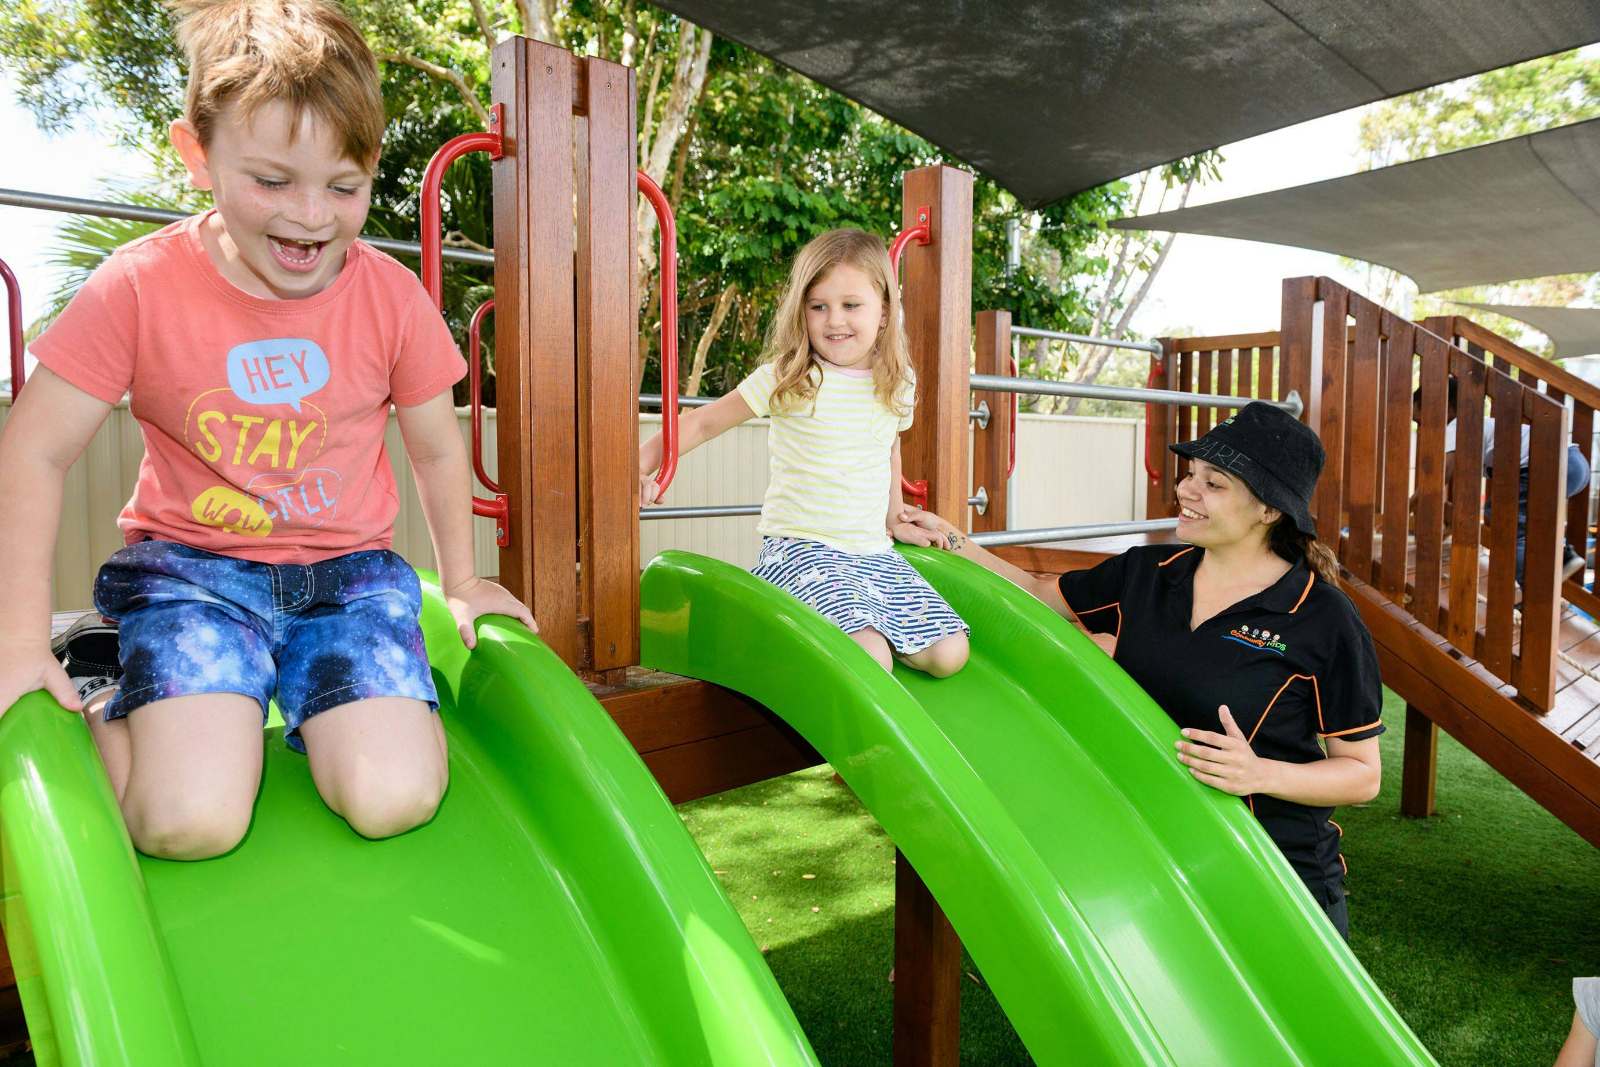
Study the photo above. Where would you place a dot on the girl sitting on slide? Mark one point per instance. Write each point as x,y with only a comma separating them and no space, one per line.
836,381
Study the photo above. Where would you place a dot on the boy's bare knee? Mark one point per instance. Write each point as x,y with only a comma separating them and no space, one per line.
379,806
184,828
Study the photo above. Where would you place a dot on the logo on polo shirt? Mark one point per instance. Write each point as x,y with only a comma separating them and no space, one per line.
1257,638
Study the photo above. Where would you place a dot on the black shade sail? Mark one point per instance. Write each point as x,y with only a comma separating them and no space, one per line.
1521,208
1573,331
1051,97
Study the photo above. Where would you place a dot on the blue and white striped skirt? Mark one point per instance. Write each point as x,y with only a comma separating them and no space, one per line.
880,590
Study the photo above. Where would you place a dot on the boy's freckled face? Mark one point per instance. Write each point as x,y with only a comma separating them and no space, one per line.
289,202
844,314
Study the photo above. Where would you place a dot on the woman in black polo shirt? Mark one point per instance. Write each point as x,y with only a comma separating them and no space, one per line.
1244,638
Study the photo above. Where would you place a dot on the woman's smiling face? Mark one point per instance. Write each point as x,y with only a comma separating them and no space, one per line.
1216,508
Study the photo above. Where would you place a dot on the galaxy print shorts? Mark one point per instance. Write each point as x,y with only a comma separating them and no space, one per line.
316,636
880,590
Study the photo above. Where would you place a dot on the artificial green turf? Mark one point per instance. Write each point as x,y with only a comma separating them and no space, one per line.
1473,922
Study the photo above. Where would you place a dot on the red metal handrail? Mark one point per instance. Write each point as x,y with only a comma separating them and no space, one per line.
493,142
14,311
921,233
1156,367
475,383
1016,407
669,330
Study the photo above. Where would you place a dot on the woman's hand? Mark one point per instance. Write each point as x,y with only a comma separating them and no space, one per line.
943,533
28,664
1225,761
910,533
479,596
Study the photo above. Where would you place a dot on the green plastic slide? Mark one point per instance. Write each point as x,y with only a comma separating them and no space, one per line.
1122,913
555,911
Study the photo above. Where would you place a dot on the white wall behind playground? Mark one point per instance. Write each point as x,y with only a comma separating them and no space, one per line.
1069,471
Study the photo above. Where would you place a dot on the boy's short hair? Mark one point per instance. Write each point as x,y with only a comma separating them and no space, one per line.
305,54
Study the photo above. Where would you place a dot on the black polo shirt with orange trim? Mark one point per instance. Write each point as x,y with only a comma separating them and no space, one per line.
1294,664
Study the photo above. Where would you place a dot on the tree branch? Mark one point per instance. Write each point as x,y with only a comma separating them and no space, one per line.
444,74
701,350
630,34
483,24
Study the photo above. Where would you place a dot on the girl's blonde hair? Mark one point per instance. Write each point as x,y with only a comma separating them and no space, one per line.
788,346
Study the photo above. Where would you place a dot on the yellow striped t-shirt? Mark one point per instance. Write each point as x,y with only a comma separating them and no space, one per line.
830,460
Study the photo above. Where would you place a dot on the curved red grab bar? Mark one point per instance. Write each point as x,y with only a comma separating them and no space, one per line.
475,384
1016,407
922,234
1156,367
669,330
14,313
493,142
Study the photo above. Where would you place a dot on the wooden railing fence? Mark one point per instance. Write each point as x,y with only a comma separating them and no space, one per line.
1383,499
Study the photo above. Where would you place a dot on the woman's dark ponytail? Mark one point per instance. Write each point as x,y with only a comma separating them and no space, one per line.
1288,541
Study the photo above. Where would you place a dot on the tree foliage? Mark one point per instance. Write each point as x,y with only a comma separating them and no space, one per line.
762,158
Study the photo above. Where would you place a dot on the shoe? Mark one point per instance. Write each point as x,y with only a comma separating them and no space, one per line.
1572,566
88,651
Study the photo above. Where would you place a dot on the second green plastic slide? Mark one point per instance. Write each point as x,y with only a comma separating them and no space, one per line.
1122,913
555,911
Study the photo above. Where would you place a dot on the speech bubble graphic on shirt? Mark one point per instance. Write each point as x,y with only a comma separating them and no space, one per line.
278,370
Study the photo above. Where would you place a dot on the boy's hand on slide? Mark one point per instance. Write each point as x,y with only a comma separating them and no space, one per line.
479,596
26,665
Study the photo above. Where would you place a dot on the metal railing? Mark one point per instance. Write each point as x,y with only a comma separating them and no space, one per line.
1001,383
725,511
653,400
106,209
1047,534
1153,347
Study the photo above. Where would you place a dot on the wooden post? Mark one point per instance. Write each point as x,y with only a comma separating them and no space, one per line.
1419,765
536,400
936,292
991,452
607,369
1160,498
927,976
1295,344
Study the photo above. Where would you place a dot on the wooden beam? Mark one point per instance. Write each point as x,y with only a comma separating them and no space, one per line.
991,447
927,976
607,369
1419,768
537,402
1160,494
936,293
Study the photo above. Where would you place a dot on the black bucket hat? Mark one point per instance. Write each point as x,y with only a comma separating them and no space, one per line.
1271,451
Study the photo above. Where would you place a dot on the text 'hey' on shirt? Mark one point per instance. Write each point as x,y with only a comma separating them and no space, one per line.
830,459
263,420
1294,664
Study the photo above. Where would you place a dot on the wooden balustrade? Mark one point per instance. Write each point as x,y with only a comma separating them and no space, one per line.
1580,397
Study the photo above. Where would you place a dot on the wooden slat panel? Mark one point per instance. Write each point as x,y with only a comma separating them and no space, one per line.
1494,652
1245,358
1224,380
1264,382
1541,582
1204,416
1397,480
1186,412
608,362
1159,495
1578,503
1433,355
1361,492
1466,495
1328,409
1231,340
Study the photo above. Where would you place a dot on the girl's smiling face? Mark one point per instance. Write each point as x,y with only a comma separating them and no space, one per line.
289,201
1216,508
844,314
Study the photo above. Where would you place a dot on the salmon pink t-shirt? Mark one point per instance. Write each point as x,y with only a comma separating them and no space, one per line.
263,420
